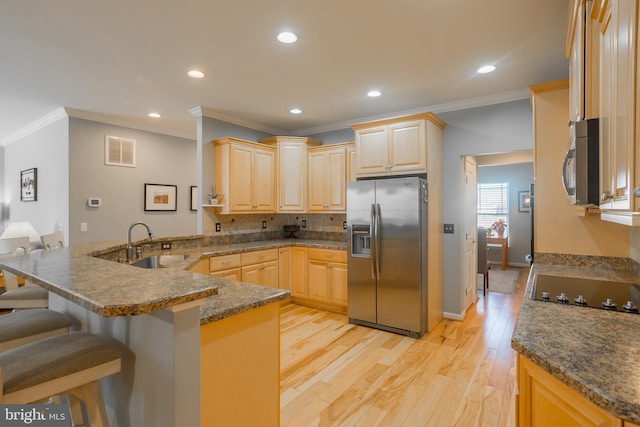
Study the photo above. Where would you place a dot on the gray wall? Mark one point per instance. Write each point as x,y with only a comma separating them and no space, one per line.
2,201
47,150
484,130
160,159
519,176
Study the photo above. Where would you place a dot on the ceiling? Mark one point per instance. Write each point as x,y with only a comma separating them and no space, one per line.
123,59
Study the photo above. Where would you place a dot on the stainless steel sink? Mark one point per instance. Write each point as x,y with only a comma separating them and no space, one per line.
160,261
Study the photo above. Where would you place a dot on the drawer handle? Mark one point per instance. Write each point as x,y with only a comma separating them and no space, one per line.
329,255
226,262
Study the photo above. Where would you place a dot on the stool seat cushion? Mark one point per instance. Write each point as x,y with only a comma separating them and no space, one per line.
25,292
55,357
25,323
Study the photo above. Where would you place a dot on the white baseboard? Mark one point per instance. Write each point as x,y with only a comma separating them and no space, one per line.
453,316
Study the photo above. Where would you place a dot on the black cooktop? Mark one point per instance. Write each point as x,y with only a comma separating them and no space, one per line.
594,293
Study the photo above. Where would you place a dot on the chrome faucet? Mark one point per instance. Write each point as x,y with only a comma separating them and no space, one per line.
129,247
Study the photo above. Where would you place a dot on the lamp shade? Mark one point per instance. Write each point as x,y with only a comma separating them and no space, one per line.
19,229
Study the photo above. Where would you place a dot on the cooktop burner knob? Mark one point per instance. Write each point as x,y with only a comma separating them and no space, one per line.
580,300
609,304
562,298
545,296
629,307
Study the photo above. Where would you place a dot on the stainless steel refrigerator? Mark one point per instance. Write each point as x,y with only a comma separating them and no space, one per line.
387,254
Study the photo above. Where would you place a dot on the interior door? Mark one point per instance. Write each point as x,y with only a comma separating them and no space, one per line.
470,232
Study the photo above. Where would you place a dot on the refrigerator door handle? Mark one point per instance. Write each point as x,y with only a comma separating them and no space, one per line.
374,250
377,237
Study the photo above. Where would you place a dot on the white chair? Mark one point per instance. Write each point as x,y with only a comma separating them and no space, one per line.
18,297
69,364
52,241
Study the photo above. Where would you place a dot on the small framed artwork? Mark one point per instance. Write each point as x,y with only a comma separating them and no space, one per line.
194,198
160,197
29,185
524,201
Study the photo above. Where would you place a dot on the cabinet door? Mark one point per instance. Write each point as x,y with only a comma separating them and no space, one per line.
251,273
317,185
299,276
576,64
319,281
231,274
269,274
407,147
617,103
292,176
263,180
546,401
285,268
372,156
351,163
336,180
240,159
338,284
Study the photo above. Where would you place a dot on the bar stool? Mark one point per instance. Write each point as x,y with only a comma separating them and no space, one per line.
25,326
63,364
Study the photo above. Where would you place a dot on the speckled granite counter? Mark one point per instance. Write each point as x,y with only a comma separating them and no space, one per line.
593,351
110,289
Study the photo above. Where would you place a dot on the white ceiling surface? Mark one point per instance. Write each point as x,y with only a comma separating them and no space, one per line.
124,59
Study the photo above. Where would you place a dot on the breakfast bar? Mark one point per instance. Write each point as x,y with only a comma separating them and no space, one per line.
169,318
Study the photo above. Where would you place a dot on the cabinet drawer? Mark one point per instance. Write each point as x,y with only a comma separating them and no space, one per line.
327,255
256,257
224,262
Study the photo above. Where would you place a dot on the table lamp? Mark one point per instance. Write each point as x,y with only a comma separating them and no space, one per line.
22,228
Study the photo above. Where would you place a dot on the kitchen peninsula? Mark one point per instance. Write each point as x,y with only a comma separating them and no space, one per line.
186,331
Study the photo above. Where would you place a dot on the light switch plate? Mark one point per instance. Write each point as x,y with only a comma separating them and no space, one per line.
448,228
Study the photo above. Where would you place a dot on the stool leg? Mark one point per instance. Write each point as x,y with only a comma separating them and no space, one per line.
91,395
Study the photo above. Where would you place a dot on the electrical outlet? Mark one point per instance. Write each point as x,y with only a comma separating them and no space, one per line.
304,223
344,225
448,228
264,224
218,227
83,226
165,245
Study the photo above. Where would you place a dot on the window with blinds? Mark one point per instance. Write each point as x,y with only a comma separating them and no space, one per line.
493,204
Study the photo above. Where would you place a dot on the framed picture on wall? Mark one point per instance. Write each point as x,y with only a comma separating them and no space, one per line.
29,185
194,198
160,197
524,201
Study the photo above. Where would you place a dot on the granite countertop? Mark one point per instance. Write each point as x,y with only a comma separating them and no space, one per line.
110,289
593,351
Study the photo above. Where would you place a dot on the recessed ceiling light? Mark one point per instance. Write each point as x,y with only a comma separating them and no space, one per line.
196,74
287,37
155,115
486,69
374,93
295,111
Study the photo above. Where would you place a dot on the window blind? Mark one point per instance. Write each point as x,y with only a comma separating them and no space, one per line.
493,204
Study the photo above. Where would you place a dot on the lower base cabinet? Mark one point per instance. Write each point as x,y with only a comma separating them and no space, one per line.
544,401
265,274
327,270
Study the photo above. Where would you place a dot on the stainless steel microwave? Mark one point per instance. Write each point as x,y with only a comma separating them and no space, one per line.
581,165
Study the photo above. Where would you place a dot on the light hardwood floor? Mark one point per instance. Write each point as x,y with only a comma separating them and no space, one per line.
460,374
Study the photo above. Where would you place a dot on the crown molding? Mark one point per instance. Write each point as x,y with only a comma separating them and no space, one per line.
212,113
42,122
482,101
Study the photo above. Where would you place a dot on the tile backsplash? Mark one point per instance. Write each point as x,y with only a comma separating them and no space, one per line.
318,226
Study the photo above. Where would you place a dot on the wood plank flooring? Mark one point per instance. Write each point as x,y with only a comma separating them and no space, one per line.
460,374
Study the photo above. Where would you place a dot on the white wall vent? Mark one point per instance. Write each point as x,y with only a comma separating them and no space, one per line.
119,151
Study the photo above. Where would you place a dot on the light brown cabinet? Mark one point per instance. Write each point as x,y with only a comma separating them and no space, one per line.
291,171
395,146
543,401
226,267
618,102
285,267
327,178
260,267
299,286
245,176
328,277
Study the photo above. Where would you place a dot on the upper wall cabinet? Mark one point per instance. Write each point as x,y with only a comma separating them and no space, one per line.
291,171
328,178
245,176
618,102
582,49
395,146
